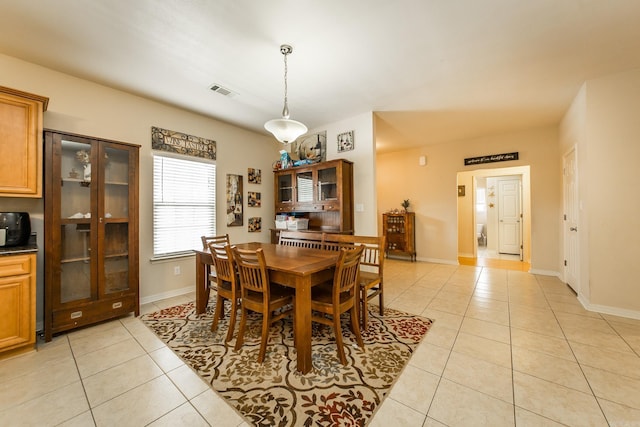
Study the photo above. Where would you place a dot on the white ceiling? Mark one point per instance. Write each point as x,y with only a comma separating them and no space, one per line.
432,70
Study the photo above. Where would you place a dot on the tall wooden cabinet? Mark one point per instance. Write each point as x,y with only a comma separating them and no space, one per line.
322,192
399,230
91,230
21,143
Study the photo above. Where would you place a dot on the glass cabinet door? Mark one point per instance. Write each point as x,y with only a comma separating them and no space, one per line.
285,188
75,221
304,187
115,164
328,184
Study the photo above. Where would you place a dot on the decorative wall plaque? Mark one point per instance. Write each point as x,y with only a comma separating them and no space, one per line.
491,158
181,143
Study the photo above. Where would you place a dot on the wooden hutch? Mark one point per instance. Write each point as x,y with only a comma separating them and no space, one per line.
321,192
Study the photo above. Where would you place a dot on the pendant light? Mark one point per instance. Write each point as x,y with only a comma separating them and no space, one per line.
285,130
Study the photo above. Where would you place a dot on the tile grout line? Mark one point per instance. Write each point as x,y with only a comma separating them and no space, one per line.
84,389
595,397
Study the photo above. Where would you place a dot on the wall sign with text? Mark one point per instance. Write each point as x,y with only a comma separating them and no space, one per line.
492,158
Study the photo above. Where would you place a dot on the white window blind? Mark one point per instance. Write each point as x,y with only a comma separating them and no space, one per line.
184,204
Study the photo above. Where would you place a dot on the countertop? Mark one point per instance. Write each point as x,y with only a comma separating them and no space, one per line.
30,248
16,250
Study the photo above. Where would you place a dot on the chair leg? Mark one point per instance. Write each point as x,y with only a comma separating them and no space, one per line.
365,309
218,313
355,326
337,330
266,323
207,292
232,320
243,324
381,300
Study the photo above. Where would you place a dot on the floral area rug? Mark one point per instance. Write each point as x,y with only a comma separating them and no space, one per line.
275,393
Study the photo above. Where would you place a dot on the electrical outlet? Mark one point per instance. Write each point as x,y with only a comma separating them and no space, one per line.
176,270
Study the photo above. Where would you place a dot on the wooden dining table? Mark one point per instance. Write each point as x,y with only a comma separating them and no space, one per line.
298,268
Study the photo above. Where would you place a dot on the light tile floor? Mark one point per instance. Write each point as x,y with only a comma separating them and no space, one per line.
507,348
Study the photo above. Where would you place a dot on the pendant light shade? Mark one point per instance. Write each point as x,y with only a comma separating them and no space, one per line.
285,130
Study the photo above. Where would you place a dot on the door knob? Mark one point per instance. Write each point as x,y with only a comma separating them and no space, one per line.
573,228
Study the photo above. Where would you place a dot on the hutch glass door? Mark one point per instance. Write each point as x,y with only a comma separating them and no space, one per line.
76,223
114,219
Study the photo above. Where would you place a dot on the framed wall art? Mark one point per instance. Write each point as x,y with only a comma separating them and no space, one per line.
255,224
345,141
312,148
254,176
234,201
253,199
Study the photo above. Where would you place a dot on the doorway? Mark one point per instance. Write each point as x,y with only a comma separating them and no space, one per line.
495,223
498,219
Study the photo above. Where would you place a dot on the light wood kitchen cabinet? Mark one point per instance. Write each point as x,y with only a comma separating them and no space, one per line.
91,231
21,143
399,231
322,193
17,303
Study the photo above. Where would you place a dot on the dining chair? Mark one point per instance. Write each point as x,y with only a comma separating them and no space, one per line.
259,295
211,271
330,299
227,286
370,283
301,239
371,275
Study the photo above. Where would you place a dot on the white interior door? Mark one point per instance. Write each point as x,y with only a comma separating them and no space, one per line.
571,205
509,217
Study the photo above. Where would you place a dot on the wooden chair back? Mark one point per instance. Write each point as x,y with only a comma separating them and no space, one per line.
227,285
223,262
373,254
216,240
347,271
252,270
301,239
335,242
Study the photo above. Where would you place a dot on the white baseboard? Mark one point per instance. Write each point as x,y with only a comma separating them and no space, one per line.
168,294
545,272
439,261
605,309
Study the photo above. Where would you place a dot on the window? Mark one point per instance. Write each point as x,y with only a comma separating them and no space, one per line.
184,204
481,204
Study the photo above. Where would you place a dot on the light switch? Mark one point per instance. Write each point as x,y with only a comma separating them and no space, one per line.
359,207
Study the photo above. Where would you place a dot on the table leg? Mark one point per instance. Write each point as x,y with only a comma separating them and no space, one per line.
201,284
302,323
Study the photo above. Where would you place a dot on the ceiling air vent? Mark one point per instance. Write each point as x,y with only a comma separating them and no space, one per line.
222,90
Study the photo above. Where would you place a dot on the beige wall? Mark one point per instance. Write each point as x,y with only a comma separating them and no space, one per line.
364,167
607,140
433,191
87,108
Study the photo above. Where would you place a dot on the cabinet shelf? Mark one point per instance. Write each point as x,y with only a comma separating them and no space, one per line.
86,258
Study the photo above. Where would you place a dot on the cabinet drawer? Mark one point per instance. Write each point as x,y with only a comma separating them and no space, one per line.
96,311
15,265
